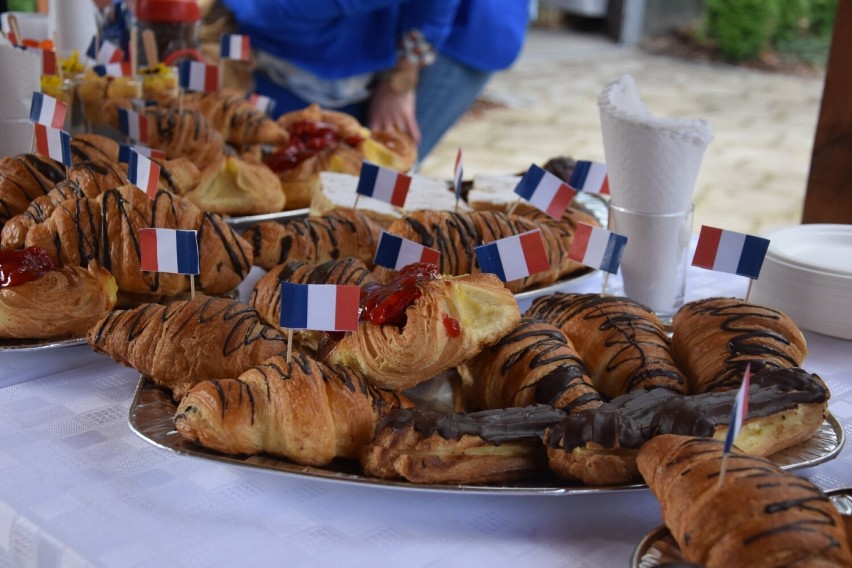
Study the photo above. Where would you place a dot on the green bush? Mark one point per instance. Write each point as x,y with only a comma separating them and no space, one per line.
742,28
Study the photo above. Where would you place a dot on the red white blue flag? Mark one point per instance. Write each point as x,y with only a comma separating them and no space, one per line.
152,153
514,257
48,111
383,183
133,124
458,174
262,102
234,46
54,143
325,307
590,177
545,191
597,247
395,252
143,173
169,250
739,411
198,76
120,69
105,51
729,251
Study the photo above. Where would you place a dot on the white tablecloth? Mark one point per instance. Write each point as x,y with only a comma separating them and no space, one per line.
78,487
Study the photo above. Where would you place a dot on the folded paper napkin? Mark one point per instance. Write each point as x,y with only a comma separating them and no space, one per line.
652,163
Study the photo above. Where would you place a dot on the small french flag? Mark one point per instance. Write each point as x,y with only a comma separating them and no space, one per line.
590,177
169,250
152,153
395,252
739,411
514,257
597,247
132,124
262,102
54,143
48,111
545,191
143,173
198,76
729,251
105,51
120,69
458,174
383,183
325,307
234,46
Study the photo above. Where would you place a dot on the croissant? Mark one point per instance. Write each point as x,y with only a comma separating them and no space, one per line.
22,179
455,235
564,228
302,410
338,234
532,364
444,322
237,187
622,343
714,339
65,302
106,229
88,147
236,118
760,516
187,341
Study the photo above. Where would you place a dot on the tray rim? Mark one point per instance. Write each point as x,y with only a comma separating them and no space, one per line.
40,344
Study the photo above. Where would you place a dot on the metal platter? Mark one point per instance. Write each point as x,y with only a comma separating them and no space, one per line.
152,411
245,222
21,345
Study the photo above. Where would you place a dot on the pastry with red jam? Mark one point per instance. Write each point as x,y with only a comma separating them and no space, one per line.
41,300
421,323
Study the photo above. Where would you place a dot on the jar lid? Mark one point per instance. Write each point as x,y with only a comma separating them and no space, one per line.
168,10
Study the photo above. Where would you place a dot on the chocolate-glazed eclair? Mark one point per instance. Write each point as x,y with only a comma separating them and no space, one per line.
533,364
622,343
758,516
488,446
785,408
715,339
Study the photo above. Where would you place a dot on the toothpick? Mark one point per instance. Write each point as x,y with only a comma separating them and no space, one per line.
513,207
192,286
12,20
355,205
722,473
289,344
748,290
603,285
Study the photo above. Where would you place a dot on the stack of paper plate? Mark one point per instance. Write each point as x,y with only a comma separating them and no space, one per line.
807,274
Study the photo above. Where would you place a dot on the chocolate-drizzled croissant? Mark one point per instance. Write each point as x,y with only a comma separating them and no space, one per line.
759,516
338,234
456,234
302,410
532,364
89,147
714,339
182,343
622,343
236,118
22,179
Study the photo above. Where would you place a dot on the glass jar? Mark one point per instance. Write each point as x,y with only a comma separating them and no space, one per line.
175,25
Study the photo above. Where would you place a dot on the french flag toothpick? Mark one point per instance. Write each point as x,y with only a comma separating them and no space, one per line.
597,247
458,174
395,252
169,250
383,183
105,51
546,191
48,111
133,124
738,416
590,177
54,143
323,307
119,69
143,173
729,251
152,153
514,257
198,76
234,46
262,102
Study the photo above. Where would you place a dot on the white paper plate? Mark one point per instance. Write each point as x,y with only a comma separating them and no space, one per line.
821,248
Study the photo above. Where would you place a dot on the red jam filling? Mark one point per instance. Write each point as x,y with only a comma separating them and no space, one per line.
452,326
307,138
386,304
19,266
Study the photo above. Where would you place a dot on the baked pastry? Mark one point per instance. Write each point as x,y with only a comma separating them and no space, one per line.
302,410
532,364
106,229
235,117
714,339
622,342
339,234
421,324
759,516
89,147
187,341
63,302
22,179
236,187
489,446
455,235
785,408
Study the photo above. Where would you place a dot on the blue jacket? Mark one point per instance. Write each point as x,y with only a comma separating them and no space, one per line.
488,34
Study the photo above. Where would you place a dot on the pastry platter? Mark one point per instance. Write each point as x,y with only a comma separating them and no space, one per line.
21,345
659,548
152,411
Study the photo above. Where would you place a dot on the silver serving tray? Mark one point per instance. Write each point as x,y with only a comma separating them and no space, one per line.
21,345
659,548
152,411
249,220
